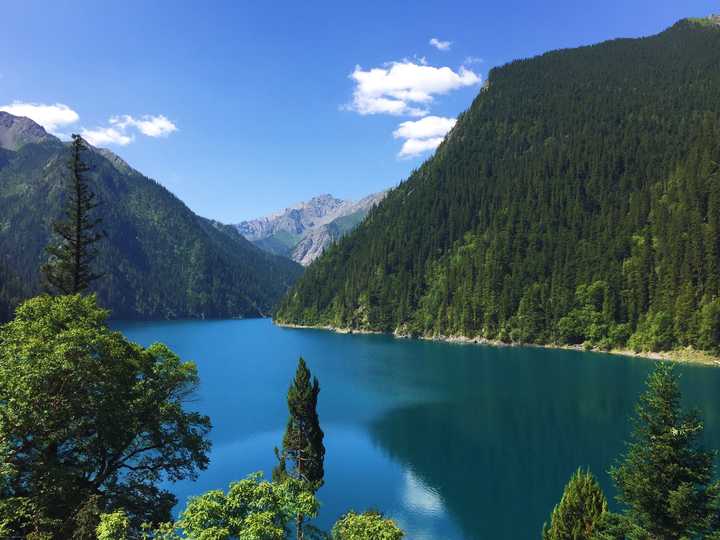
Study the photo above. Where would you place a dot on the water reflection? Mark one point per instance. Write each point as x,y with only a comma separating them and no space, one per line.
419,497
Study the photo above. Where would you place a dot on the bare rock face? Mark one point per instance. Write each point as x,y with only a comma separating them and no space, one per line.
313,244
17,131
293,220
303,231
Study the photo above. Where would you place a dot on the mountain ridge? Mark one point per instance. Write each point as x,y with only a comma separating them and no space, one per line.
16,131
304,230
159,259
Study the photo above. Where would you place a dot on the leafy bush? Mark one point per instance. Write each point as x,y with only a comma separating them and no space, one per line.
366,526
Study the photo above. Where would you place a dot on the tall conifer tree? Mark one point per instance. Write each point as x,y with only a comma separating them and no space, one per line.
69,269
303,440
666,479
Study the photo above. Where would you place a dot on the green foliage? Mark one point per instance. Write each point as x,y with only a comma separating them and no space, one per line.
87,518
366,526
654,333
580,510
69,269
90,422
709,331
114,526
593,167
252,509
613,526
158,259
665,479
303,439
589,321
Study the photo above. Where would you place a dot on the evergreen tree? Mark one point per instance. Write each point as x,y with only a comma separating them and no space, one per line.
579,511
665,478
69,269
303,440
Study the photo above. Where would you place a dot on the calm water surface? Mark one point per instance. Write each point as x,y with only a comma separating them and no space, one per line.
453,441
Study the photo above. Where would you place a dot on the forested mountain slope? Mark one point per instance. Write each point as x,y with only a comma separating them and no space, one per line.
577,200
159,259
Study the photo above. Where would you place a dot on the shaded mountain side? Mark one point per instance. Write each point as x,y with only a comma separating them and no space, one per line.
12,291
576,201
159,259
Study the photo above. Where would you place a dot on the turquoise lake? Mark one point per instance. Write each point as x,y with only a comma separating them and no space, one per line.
453,441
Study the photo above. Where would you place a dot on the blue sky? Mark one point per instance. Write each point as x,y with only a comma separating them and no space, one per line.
242,108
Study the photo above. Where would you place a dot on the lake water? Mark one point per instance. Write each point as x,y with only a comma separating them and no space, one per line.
453,441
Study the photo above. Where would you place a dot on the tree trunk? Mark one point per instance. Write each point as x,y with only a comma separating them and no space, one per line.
299,527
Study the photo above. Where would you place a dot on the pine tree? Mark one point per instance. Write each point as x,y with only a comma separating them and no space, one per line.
69,270
303,440
579,511
665,478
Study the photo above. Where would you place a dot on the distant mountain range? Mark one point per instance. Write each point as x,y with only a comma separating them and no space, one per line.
303,231
159,259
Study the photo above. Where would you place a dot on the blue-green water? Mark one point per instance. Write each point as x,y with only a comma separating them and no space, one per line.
453,441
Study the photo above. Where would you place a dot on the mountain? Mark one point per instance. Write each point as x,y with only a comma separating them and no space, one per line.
159,259
16,131
576,201
303,231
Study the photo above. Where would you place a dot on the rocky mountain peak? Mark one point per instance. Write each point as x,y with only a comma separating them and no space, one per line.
17,131
302,231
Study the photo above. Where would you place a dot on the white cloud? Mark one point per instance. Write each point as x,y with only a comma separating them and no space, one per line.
425,128
152,126
51,117
472,60
54,117
405,88
440,45
107,135
120,130
415,147
422,135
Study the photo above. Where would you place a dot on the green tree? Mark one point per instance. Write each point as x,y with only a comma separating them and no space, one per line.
665,478
113,526
90,420
654,333
710,326
579,511
252,509
69,270
366,526
303,440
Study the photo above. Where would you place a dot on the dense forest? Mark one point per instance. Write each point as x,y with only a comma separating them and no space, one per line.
158,259
12,290
576,201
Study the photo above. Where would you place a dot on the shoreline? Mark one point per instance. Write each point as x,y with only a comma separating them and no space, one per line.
681,356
